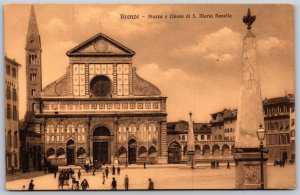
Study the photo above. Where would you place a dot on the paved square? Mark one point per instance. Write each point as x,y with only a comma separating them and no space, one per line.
166,178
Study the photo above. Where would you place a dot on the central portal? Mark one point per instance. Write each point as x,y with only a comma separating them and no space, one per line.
101,152
101,145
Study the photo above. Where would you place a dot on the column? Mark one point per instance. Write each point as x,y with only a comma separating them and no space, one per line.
163,144
43,156
88,139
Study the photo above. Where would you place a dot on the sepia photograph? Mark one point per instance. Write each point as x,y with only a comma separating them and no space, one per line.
149,97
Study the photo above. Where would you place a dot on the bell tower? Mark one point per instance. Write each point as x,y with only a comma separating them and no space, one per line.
33,61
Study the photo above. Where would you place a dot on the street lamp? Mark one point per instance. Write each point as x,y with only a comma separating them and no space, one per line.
261,136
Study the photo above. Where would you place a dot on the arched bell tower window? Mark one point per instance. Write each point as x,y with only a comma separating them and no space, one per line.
32,58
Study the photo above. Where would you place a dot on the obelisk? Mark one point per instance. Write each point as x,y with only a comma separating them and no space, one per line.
250,115
191,143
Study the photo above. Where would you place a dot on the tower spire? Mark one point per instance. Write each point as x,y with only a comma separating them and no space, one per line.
33,32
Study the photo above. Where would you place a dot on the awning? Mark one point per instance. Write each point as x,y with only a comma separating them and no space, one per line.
53,156
62,156
122,155
153,154
82,156
143,154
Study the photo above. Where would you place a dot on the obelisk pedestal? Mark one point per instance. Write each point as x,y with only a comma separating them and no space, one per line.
250,115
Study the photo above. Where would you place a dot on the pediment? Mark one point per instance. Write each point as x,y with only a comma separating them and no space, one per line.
100,45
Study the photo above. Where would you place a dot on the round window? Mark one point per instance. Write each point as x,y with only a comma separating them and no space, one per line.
100,86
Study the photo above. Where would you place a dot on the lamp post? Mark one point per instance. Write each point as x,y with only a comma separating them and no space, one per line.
261,136
126,160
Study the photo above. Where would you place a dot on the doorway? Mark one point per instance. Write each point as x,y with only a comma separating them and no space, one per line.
101,145
132,151
70,152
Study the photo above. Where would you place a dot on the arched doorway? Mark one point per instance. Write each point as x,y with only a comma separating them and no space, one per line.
206,150
216,150
132,151
101,145
225,150
174,153
70,152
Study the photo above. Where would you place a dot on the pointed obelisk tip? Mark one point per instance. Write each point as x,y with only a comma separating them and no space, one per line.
249,19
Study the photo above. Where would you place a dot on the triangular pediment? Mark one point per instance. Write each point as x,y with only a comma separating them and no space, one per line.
100,45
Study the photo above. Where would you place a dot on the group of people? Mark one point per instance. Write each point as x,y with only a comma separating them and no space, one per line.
66,177
215,164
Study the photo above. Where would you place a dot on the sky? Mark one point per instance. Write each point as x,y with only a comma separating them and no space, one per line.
196,63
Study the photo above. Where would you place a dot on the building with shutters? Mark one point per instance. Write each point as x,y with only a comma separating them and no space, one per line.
12,143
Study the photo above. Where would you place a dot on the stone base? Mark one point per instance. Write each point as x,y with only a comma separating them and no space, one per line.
248,168
191,160
162,160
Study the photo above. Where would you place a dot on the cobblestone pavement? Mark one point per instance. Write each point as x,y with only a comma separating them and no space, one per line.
166,178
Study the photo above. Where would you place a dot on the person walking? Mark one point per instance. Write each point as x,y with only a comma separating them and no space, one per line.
61,180
151,184
78,174
94,170
118,170
284,157
228,165
84,184
74,184
106,172
113,169
144,165
103,178
126,182
114,184
31,186
55,174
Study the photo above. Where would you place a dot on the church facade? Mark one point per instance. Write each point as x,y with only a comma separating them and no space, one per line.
100,110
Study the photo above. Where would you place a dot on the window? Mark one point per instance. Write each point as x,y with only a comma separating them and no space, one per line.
142,133
32,59
33,92
8,111
202,137
15,139
293,133
70,128
32,77
122,79
15,117
152,132
7,69
14,94
293,122
9,160
9,139
208,137
14,72
16,160
79,80
8,93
